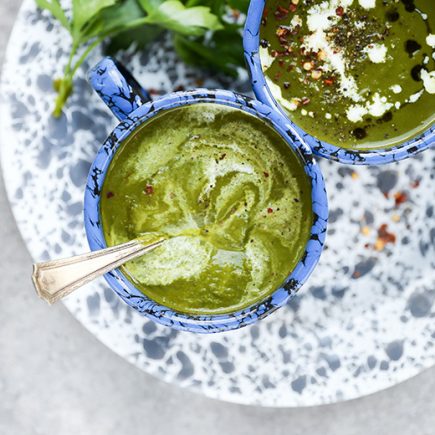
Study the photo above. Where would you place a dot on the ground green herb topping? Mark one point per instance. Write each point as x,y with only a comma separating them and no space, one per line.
355,73
229,194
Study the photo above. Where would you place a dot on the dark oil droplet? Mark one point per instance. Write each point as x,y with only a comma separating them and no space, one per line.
409,5
387,116
411,47
359,133
415,72
392,16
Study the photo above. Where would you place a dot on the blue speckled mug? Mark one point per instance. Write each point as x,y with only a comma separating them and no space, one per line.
251,43
133,107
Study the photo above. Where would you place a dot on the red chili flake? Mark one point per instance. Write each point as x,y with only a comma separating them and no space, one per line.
328,82
153,91
295,30
281,13
110,195
282,32
305,101
222,156
400,198
339,11
275,53
277,75
149,190
415,183
235,13
266,174
385,236
293,7
179,88
270,210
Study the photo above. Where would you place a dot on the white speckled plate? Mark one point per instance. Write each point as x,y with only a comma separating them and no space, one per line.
364,322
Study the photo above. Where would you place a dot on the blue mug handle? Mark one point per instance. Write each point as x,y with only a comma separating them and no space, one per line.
117,87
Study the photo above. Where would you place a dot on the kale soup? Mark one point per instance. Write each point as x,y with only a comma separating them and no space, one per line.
359,74
228,194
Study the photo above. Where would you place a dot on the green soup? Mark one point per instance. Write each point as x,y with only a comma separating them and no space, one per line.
359,74
229,194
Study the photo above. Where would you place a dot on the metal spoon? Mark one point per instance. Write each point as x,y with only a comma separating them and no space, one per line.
56,279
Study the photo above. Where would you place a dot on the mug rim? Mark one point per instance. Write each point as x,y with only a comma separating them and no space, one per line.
219,322
378,156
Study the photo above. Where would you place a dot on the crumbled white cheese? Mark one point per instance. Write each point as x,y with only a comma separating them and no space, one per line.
311,114
426,60
328,116
318,23
397,104
430,40
415,97
397,89
360,24
377,53
367,4
277,93
428,80
296,21
356,112
266,58
304,112
379,105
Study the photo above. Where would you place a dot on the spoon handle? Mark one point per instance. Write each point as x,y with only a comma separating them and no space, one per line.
56,279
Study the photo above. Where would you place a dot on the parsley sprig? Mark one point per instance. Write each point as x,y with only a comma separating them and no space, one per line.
202,33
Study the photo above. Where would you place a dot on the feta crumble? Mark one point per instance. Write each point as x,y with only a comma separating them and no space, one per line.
415,97
377,53
397,89
379,105
428,80
430,40
356,112
367,4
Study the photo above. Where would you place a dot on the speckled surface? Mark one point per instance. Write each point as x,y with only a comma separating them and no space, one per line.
96,392
363,322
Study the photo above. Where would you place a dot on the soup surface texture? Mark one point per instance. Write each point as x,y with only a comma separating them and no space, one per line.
359,74
227,192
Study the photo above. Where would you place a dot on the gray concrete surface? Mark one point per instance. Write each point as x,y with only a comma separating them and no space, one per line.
56,379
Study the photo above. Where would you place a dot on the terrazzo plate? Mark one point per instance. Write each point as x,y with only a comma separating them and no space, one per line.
364,322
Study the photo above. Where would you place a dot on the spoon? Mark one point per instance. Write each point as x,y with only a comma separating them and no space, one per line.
53,280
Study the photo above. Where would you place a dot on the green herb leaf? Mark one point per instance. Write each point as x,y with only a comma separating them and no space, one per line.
140,37
175,16
240,5
56,10
115,19
202,33
84,11
221,51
